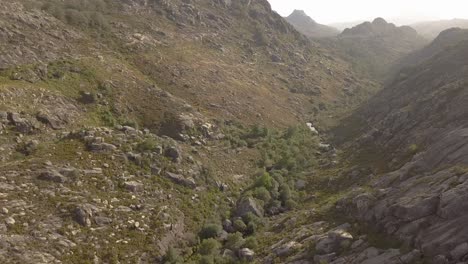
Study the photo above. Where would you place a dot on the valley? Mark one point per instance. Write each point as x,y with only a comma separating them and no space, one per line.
214,131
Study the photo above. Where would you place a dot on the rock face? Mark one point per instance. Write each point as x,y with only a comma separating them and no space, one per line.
249,205
307,26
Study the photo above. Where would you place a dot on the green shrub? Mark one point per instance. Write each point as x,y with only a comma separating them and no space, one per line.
209,246
290,204
413,148
207,260
251,228
210,231
234,241
239,225
172,256
147,145
265,181
251,242
285,193
262,193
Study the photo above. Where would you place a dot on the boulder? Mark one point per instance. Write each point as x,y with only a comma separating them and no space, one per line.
83,214
53,176
29,147
335,241
53,121
102,147
249,205
133,186
174,153
246,254
286,249
102,221
179,179
460,251
22,125
228,227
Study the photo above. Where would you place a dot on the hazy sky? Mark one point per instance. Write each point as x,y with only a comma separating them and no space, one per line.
331,11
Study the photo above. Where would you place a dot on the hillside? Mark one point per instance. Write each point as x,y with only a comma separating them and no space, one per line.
445,40
158,131
375,46
307,26
214,132
418,124
431,29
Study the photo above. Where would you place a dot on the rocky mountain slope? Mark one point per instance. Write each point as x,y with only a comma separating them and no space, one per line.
431,29
196,131
418,124
446,39
375,46
157,131
307,26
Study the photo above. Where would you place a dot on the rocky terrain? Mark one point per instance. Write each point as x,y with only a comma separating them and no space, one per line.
307,26
211,131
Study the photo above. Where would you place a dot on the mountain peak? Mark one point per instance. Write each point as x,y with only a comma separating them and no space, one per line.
307,26
299,12
301,15
379,21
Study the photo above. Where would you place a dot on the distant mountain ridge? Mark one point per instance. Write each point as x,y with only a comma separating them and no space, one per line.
376,46
378,27
431,29
446,39
307,26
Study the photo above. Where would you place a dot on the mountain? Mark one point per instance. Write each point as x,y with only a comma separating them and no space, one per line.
413,134
212,131
307,26
157,131
431,29
375,46
444,41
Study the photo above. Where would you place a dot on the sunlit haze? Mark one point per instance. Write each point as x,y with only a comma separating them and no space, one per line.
400,11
